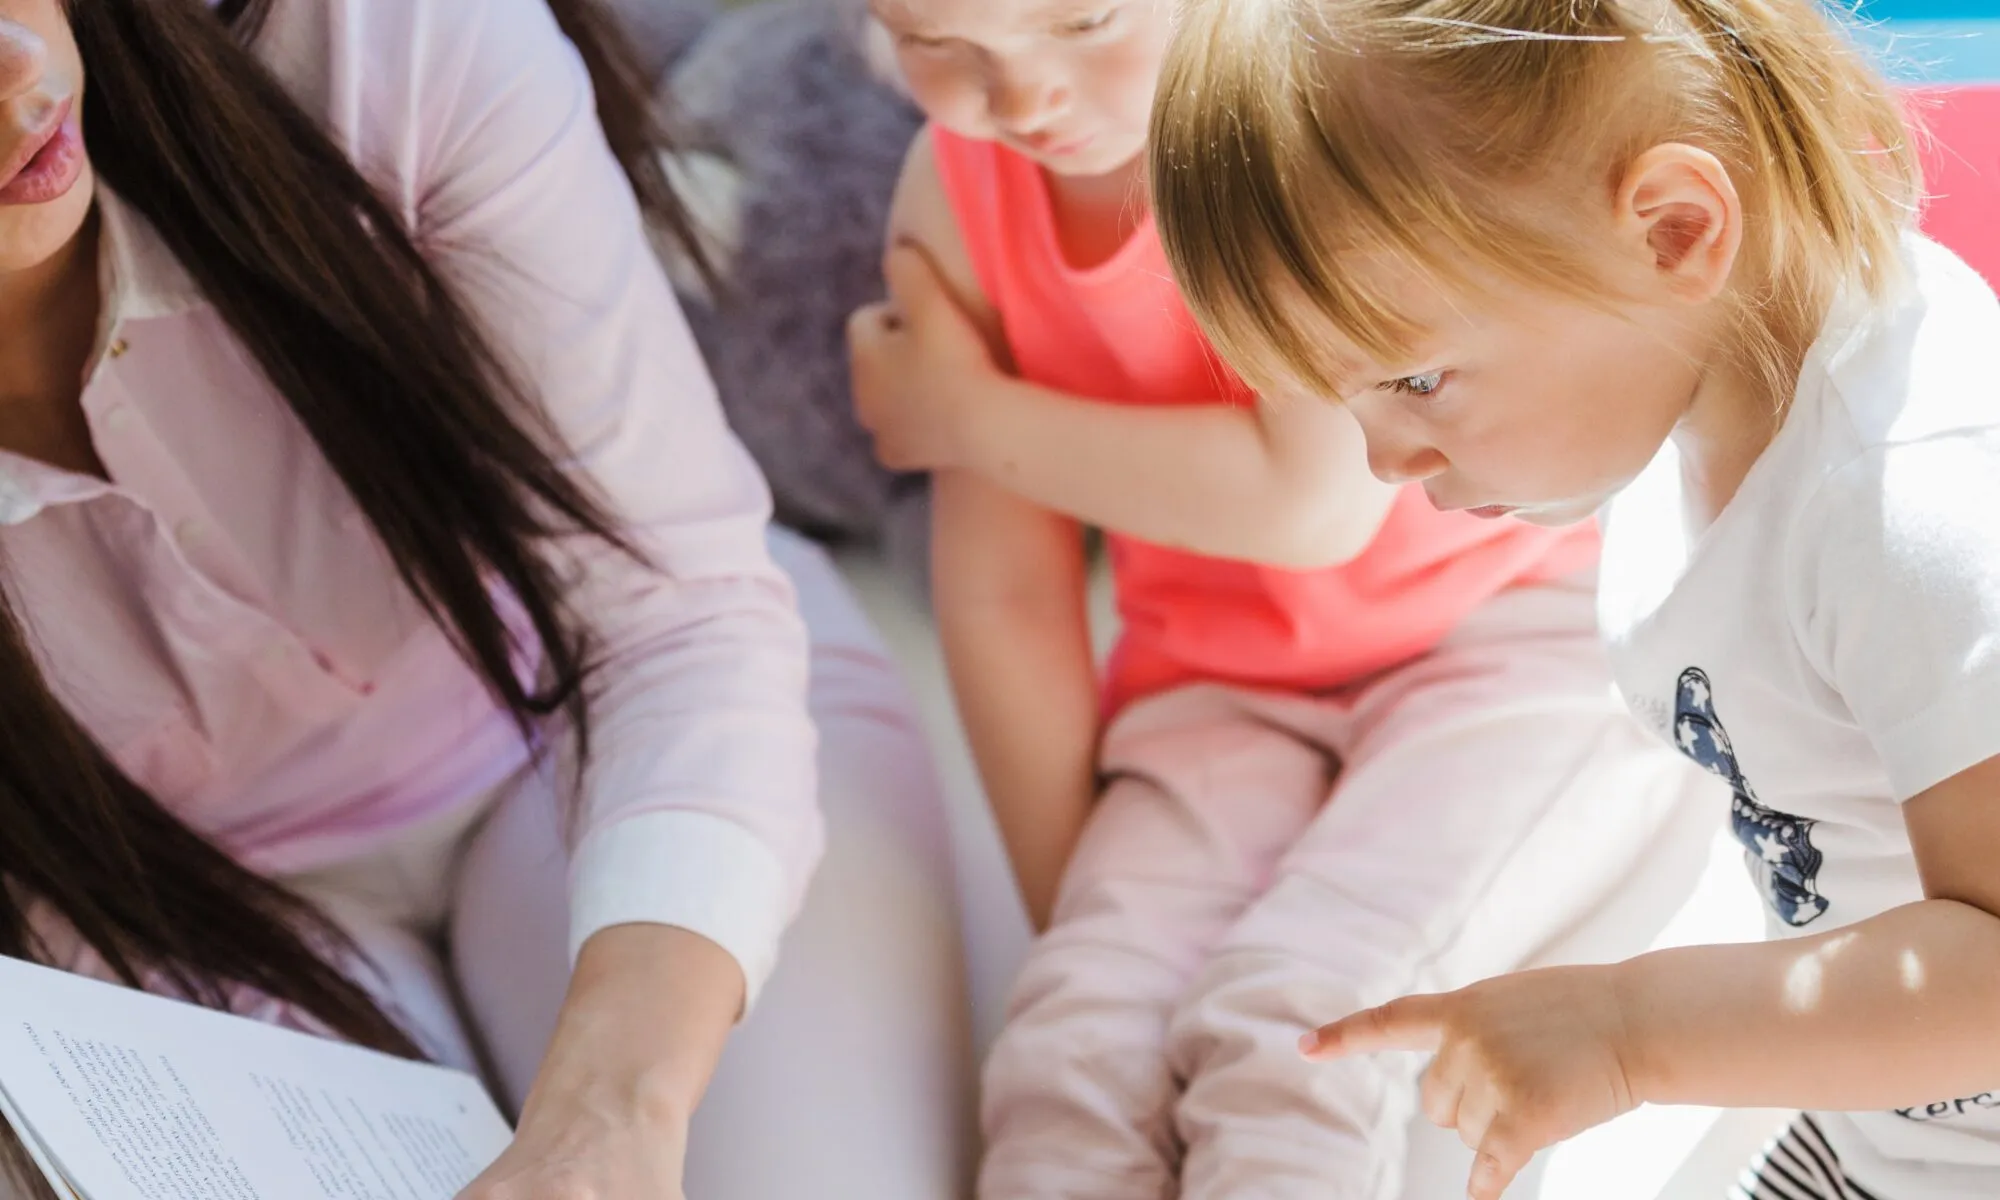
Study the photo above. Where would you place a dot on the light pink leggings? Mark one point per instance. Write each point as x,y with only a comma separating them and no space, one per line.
1261,864
852,1077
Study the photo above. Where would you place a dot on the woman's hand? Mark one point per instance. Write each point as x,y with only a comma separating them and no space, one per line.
599,1153
649,1008
919,366
1523,1061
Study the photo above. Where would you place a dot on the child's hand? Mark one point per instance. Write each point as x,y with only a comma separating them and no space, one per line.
1523,1061
918,364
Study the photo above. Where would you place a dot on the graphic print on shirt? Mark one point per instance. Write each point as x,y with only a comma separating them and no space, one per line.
1778,846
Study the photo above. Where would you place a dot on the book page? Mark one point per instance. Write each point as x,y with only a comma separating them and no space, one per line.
135,1097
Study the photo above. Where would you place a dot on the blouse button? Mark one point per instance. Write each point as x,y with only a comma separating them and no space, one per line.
118,348
190,534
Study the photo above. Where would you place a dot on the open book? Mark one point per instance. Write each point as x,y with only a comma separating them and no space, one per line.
120,1095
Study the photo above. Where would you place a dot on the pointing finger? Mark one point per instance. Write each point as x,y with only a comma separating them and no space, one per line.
1412,1023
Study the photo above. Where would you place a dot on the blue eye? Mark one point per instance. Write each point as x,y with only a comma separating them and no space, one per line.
1426,384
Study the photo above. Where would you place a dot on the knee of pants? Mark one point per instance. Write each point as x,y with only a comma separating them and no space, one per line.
1310,944
1108,1065
1087,1018
1053,1091
1253,1003
1242,1000
1256,1116
1104,960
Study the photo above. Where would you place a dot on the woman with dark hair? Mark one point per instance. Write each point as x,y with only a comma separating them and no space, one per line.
373,555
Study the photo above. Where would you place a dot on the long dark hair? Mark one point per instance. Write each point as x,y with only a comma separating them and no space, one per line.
444,453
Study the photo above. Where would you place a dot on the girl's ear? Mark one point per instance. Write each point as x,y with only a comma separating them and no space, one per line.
1681,221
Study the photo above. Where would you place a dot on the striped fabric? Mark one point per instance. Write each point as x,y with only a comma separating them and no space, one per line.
1798,1165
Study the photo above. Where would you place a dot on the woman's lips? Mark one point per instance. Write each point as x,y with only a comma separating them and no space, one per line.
46,165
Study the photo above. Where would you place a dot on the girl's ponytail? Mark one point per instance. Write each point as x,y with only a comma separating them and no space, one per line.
1822,138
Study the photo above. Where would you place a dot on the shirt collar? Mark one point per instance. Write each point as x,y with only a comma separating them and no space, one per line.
28,487
141,277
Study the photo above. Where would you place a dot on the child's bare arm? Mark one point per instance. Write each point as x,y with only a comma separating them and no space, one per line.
1008,590
1282,482
1891,1012
1008,585
1886,1013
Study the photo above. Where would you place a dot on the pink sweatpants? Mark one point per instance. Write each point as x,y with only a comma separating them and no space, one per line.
1260,864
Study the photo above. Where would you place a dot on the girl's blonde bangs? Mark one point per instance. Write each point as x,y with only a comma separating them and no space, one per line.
1267,223
1300,145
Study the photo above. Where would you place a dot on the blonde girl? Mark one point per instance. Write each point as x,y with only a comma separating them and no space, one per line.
1657,257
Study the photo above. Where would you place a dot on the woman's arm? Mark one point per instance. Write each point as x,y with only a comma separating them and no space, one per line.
658,1001
697,825
698,808
1285,482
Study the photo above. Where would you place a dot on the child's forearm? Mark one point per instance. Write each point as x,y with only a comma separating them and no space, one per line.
1209,478
1892,1012
1009,591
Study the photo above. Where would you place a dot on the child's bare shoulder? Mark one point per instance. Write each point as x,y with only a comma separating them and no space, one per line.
921,213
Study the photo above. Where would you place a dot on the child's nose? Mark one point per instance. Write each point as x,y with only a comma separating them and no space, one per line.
1404,463
22,55
1027,105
